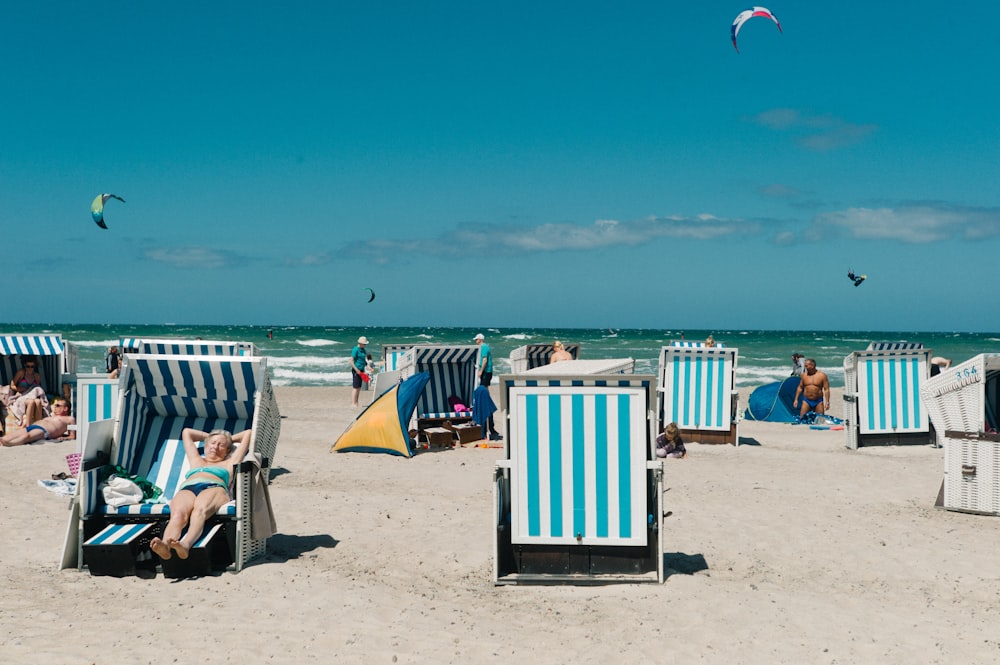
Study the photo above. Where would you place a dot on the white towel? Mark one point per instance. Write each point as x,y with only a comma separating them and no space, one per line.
65,487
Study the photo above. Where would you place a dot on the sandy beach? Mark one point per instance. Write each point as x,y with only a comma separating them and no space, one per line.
791,549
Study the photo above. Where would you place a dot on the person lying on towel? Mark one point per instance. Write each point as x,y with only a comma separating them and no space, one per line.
205,488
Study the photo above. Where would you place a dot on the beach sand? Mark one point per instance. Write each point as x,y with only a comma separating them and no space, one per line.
790,550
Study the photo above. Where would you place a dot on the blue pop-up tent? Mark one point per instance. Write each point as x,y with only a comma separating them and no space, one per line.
773,402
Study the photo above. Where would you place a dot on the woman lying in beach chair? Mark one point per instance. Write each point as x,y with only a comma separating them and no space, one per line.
205,488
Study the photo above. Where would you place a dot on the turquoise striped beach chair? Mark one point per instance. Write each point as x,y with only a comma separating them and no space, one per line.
392,355
95,398
882,395
697,390
159,397
578,497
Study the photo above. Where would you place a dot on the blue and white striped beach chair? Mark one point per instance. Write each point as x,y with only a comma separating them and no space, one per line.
195,347
159,397
392,354
578,497
57,360
882,400
530,356
697,391
452,371
96,398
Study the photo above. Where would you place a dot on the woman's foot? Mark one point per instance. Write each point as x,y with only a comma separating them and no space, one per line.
178,547
160,548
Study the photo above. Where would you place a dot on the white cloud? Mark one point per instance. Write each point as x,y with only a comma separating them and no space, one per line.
910,223
189,257
554,237
820,133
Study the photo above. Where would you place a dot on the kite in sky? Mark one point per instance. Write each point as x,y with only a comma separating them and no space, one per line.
748,14
97,208
372,291
857,279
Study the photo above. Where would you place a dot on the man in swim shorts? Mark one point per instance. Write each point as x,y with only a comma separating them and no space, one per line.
814,389
51,428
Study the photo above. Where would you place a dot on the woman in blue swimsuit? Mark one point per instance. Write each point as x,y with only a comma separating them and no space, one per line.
204,490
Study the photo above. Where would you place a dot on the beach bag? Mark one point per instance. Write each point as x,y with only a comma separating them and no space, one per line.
120,491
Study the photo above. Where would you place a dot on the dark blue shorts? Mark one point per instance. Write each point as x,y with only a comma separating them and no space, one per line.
355,380
198,488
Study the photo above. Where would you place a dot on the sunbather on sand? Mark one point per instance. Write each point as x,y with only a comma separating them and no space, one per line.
204,490
52,428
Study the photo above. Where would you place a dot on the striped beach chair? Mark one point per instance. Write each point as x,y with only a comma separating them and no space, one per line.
452,371
96,398
531,356
158,397
578,497
195,347
697,391
882,400
57,361
392,354
963,403
589,366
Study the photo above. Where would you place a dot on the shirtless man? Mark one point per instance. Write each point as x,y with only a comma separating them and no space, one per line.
54,427
814,388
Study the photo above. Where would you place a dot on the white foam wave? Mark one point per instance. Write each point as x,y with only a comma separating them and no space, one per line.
102,344
297,362
520,336
316,342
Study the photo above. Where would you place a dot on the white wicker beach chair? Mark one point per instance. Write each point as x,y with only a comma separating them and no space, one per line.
159,397
697,391
882,402
964,404
578,496
531,356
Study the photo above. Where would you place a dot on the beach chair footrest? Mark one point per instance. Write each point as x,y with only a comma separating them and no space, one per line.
439,436
469,432
210,552
120,550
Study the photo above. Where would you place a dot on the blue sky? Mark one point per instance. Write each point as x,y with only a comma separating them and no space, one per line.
511,164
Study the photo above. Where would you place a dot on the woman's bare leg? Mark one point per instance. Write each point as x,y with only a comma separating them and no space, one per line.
206,505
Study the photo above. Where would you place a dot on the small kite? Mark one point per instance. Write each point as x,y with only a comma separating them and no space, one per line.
372,296
97,208
857,279
748,14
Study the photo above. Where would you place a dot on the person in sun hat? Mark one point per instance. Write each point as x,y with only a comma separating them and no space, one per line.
359,360
484,366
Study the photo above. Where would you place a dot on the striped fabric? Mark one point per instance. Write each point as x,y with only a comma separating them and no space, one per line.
889,392
894,346
128,344
578,463
35,345
694,345
185,347
452,371
119,534
392,354
96,399
696,385
165,465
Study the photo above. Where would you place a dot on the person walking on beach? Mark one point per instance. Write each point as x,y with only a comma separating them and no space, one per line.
484,368
814,389
359,360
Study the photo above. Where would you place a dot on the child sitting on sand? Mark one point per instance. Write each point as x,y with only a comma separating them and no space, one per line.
669,444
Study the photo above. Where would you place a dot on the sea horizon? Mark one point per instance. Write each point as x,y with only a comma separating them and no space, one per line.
319,355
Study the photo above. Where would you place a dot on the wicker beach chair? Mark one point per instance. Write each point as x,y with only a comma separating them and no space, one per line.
963,403
158,397
882,401
531,356
697,390
578,495
57,363
452,371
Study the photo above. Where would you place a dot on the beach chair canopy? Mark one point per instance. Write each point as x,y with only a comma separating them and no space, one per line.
55,358
189,347
531,356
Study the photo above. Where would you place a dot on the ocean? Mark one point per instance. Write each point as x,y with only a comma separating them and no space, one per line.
319,355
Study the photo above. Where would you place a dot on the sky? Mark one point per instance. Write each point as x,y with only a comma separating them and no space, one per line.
502,164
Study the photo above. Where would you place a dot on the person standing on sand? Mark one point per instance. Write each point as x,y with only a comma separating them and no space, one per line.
814,389
484,367
359,360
